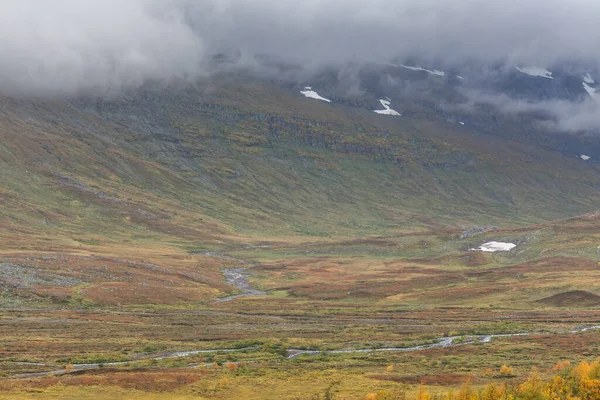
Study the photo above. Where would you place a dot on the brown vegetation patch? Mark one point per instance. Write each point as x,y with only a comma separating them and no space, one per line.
366,242
557,264
429,380
140,379
61,277
135,293
373,285
464,292
573,298
470,259
553,264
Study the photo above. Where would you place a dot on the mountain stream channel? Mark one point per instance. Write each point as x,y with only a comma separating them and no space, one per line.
238,277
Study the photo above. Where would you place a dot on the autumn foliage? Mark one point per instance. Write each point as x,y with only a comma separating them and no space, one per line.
581,382
506,371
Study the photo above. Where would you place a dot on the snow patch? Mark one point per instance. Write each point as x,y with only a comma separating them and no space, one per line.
587,78
492,247
591,91
387,110
584,157
460,77
536,71
462,123
432,72
311,94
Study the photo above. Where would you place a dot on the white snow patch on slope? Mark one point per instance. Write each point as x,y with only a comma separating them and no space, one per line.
462,123
460,77
591,91
536,71
492,247
584,157
587,78
432,72
308,92
387,110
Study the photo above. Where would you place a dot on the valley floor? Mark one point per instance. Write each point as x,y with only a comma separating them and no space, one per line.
300,317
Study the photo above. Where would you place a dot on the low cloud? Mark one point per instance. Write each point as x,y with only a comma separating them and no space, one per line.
65,46
554,115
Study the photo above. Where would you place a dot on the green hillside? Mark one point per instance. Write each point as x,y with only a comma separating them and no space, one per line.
253,159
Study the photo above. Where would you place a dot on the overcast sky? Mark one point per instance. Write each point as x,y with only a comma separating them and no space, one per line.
69,44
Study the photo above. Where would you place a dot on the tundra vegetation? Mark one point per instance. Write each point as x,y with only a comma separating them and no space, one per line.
124,224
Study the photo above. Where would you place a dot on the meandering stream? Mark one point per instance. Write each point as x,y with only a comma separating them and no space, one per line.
238,277
444,342
451,341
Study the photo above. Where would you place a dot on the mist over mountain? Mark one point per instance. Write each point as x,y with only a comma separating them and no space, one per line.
107,39
102,47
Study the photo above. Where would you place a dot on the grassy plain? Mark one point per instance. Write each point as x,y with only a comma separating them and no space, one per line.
397,291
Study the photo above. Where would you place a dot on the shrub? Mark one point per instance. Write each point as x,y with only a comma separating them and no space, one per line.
506,371
422,394
575,383
387,395
561,366
231,366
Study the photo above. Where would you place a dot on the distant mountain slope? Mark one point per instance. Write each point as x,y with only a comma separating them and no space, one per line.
233,158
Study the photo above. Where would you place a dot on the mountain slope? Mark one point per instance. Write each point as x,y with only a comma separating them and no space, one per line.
206,165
